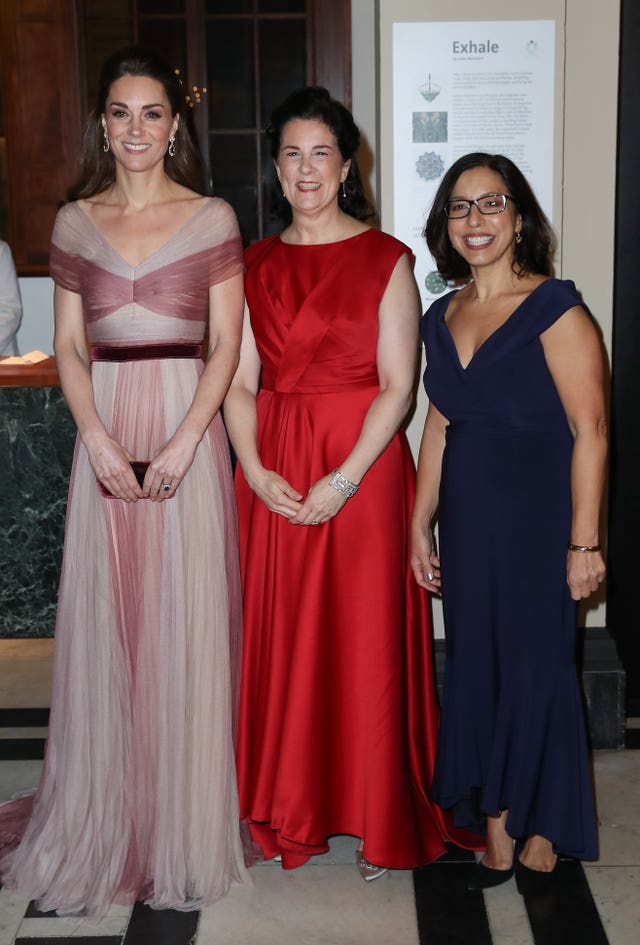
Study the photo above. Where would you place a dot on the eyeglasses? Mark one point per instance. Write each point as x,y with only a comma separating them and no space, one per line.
490,203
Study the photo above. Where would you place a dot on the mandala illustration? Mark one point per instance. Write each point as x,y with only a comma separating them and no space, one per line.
430,166
434,283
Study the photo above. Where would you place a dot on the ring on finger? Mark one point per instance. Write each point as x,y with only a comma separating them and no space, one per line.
166,487
314,522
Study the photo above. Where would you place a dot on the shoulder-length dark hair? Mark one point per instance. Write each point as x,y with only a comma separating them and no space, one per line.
534,254
314,103
97,168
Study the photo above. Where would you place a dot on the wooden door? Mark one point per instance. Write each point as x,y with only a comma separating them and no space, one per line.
40,89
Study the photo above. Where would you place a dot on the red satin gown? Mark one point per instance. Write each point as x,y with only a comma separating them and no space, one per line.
338,712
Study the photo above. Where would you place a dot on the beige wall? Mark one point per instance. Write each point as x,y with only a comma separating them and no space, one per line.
587,36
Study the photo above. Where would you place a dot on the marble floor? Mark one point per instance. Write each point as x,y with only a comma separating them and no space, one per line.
326,902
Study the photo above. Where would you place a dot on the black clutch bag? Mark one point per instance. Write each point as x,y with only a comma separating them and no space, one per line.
139,470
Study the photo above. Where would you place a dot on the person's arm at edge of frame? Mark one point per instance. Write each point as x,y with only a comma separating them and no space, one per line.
10,302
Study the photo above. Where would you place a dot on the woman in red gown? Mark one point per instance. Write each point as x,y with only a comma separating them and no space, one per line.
338,712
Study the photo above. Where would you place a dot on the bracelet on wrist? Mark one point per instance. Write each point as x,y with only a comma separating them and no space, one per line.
584,548
342,485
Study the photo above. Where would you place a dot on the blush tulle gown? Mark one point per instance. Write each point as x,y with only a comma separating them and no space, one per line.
138,796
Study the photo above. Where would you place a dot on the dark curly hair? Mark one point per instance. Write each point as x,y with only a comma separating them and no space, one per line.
314,103
97,168
534,254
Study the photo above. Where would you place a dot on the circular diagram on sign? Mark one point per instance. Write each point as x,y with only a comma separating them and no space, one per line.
430,166
434,283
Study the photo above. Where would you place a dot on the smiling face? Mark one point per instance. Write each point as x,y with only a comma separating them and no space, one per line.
483,239
310,166
138,122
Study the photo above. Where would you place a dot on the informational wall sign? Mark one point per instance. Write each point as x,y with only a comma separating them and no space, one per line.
461,87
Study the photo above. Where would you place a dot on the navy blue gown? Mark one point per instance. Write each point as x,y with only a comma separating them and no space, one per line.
512,734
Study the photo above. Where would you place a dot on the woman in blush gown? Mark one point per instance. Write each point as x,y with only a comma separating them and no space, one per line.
338,712
138,796
513,456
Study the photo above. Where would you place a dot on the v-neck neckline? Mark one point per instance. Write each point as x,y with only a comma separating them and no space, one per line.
155,252
507,321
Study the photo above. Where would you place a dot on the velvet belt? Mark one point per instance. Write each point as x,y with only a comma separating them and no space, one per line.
146,352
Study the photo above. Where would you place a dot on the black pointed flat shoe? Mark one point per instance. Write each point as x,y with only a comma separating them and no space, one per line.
535,882
485,877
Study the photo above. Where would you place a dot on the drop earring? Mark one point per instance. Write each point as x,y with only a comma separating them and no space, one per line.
172,146
105,145
344,190
518,237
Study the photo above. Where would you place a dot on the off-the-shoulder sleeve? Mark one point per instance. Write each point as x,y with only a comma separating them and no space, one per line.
553,298
64,265
225,259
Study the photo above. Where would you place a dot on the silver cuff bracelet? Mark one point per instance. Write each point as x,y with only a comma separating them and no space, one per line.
342,485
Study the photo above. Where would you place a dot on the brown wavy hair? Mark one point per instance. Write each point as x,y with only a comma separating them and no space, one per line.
533,254
97,168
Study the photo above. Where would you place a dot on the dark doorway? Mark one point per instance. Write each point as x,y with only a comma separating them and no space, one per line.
623,611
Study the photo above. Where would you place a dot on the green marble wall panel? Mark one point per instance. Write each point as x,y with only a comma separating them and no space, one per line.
37,436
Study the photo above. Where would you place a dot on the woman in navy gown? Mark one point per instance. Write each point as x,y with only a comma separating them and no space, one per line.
512,458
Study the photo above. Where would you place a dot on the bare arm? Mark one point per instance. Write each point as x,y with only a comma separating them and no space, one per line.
171,463
424,560
109,459
240,418
397,351
573,353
